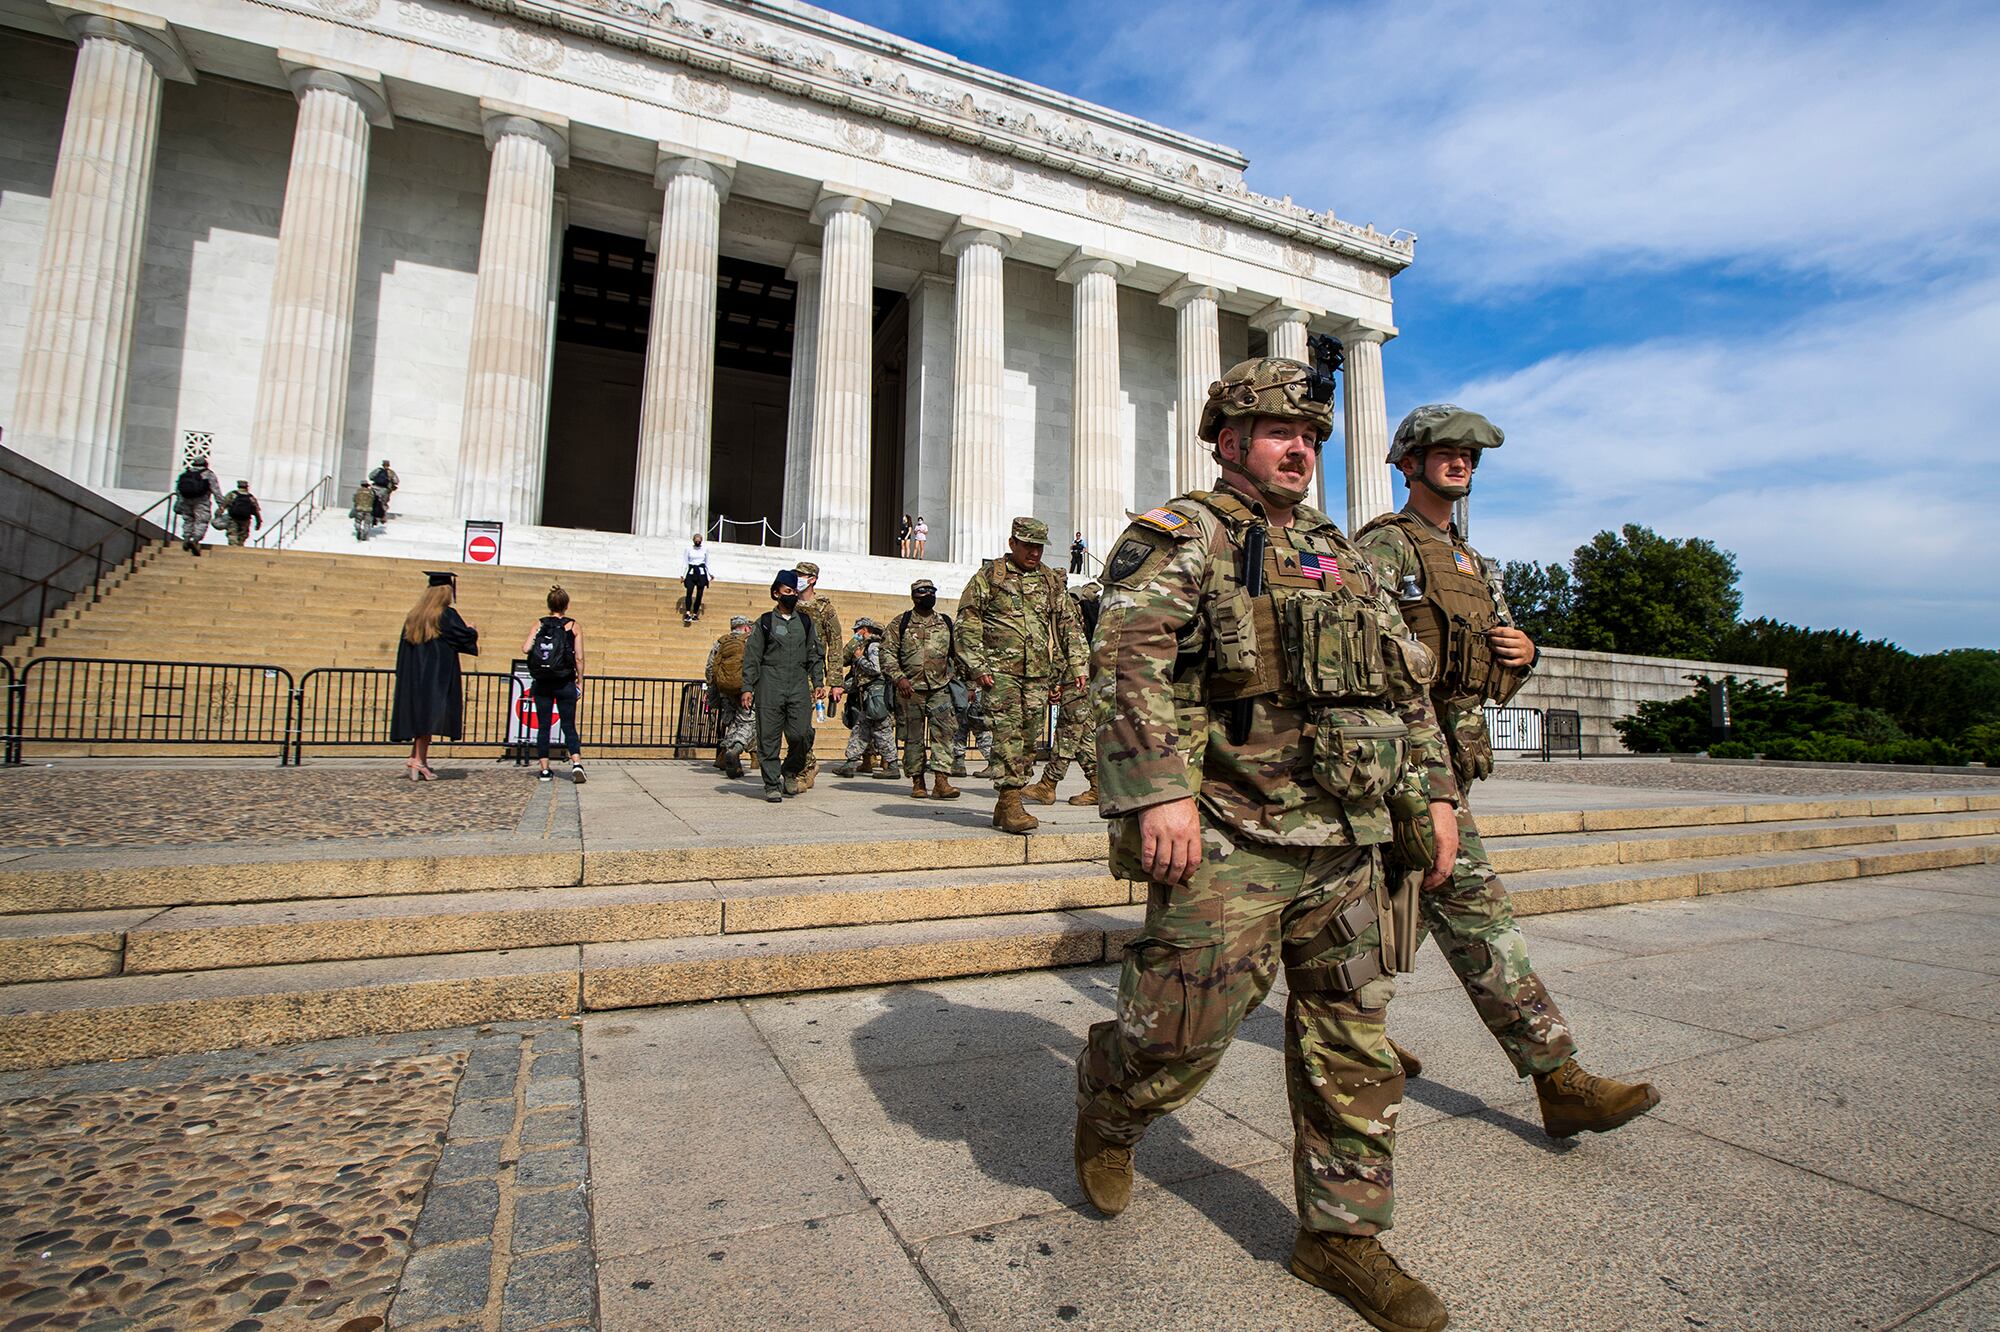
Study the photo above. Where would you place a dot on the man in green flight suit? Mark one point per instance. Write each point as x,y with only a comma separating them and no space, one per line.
783,667
1021,641
1263,703
1451,598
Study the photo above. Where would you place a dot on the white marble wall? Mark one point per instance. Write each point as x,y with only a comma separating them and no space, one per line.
1148,387
34,89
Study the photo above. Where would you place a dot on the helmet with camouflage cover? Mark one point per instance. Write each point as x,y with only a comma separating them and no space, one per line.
1266,386
1443,423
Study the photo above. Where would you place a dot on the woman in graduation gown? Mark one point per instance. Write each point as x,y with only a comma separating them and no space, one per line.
429,700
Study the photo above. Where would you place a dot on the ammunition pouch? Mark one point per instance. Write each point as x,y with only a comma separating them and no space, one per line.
1335,648
1305,975
1358,753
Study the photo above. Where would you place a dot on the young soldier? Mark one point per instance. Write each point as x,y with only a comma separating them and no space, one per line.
872,733
917,655
784,669
240,510
1021,641
1450,597
737,725
1076,725
1263,700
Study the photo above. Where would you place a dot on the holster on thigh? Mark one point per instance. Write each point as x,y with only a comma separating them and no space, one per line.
1324,962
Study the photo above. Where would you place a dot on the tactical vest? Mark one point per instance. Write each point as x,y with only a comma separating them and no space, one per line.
1451,619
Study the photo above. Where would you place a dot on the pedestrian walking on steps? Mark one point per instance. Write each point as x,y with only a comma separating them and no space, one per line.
694,579
430,699
195,492
386,484
366,510
240,511
783,667
555,664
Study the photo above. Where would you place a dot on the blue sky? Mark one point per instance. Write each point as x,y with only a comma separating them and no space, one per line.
1727,270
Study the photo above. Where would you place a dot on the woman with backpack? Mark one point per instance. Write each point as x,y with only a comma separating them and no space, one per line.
555,664
430,699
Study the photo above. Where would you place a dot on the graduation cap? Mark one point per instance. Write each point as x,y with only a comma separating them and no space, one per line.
440,578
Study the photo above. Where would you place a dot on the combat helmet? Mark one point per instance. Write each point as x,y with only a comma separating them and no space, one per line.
1444,423
1266,386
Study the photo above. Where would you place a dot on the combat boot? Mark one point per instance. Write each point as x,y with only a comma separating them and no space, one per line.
958,768
1359,1270
1043,792
917,791
847,769
732,764
1574,1101
1413,1067
1103,1170
1008,816
940,788
1085,797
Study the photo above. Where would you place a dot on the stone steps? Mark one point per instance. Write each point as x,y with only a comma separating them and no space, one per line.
63,1021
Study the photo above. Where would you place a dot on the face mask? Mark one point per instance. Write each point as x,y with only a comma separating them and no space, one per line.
788,600
925,604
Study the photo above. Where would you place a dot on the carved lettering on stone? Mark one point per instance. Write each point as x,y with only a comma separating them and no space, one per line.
533,49
455,26
701,94
993,175
1105,204
615,71
1301,261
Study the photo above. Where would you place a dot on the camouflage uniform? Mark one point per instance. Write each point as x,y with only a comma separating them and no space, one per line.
1472,915
1076,721
827,620
736,728
917,648
1021,628
238,529
971,727
196,513
869,689
1291,872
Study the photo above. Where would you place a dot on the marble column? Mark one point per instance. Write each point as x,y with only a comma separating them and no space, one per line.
842,447
978,402
300,421
69,411
1198,363
804,273
1367,419
502,437
1100,483
670,491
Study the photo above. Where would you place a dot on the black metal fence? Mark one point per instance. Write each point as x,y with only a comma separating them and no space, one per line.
113,702
1547,734
1562,732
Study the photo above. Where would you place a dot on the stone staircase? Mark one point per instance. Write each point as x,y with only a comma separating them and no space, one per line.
129,955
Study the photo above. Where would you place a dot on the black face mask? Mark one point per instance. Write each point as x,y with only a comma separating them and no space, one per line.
788,600
925,604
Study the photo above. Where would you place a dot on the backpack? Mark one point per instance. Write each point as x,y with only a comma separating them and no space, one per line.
552,654
378,477
192,485
727,671
243,507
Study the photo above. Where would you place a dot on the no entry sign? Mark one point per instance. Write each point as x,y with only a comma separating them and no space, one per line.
482,542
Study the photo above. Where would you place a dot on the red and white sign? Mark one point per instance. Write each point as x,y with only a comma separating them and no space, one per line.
482,542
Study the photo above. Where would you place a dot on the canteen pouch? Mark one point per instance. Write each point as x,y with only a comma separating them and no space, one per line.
1412,837
1358,753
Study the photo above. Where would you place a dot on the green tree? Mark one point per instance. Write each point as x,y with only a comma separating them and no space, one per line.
1542,598
1639,592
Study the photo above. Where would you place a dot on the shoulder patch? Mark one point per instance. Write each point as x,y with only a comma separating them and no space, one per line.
1131,554
1164,520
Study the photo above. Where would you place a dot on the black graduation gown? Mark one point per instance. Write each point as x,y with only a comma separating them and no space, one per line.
429,698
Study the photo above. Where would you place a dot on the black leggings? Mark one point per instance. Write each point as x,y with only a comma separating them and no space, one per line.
565,697
696,584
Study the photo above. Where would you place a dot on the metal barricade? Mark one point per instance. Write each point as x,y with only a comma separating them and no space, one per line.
10,734
1562,733
1515,730
86,701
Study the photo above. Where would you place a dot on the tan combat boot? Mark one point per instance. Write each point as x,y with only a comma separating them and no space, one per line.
1413,1067
1359,1270
1087,796
1043,792
1103,1170
1008,816
917,791
940,788
1574,1101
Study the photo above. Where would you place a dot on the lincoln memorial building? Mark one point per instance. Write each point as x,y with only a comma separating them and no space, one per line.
636,266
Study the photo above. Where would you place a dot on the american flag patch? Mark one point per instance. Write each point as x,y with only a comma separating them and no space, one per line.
1464,563
1322,567
1164,519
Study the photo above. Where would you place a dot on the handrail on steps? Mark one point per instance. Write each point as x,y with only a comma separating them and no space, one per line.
94,553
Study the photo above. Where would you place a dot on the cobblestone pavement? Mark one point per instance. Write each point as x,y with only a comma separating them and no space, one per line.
164,806
432,1180
1746,780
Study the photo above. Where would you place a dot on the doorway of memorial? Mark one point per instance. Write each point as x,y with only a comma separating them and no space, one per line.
597,380
754,308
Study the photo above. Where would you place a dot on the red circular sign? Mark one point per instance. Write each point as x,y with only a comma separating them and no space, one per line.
482,550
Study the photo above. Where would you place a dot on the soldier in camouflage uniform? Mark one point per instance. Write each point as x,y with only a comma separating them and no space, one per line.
737,730
918,658
1020,640
971,729
1249,749
1076,723
240,511
1451,597
872,714
827,621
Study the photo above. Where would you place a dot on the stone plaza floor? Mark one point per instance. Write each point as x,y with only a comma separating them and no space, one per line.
1827,1155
